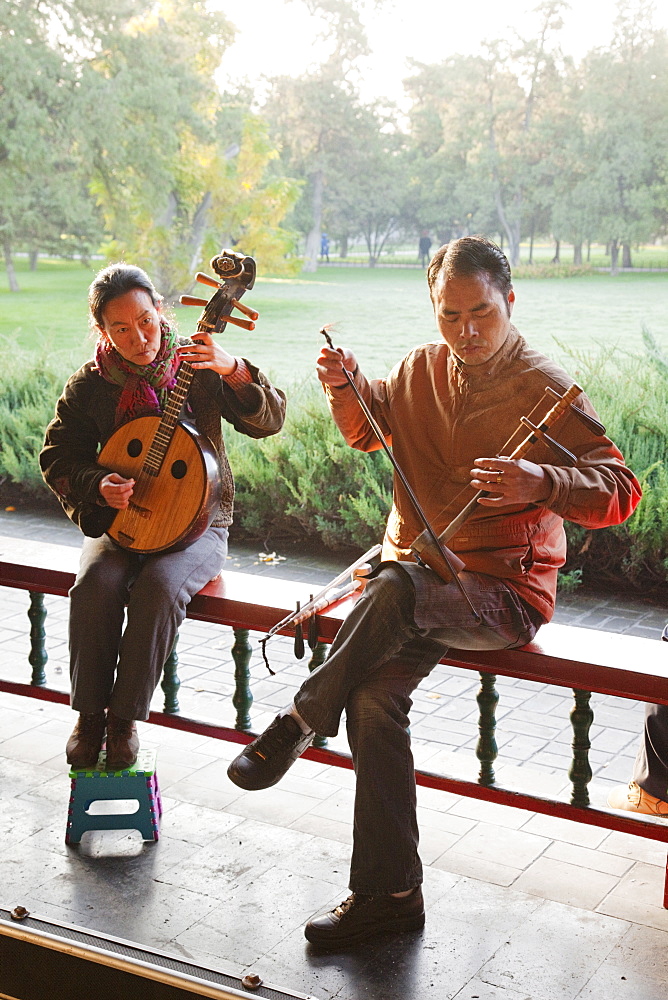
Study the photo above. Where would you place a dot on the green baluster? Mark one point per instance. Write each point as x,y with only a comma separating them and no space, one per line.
580,773
318,656
38,655
170,681
486,750
242,698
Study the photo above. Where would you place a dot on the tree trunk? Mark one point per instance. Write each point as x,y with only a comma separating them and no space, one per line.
343,247
198,232
313,239
531,244
614,257
32,257
557,252
588,250
577,253
626,255
9,265
511,229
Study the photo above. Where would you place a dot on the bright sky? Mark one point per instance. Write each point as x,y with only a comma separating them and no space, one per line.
280,37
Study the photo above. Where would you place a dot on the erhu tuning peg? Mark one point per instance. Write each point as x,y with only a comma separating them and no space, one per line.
591,423
246,310
299,638
312,630
565,456
245,324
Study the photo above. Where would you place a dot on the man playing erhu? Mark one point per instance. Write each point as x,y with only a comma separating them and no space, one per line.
447,409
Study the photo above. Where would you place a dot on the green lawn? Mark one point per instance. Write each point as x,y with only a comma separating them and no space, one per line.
379,313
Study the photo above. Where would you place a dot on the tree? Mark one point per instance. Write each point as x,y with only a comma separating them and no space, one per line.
624,95
43,200
319,122
111,125
487,111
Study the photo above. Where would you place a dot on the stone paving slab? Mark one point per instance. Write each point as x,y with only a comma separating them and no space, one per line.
518,904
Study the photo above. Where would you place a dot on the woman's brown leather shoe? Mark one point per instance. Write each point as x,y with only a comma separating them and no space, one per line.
84,745
122,743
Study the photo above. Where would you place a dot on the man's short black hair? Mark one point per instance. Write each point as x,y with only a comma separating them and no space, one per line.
469,256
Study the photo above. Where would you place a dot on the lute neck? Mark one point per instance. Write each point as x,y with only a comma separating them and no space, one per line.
156,453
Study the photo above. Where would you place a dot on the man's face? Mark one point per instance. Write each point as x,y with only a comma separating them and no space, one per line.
472,315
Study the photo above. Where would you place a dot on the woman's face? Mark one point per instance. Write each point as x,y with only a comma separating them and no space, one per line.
132,324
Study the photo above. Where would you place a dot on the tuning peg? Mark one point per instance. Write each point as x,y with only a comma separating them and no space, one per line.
566,456
299,639
193,300
591,423
245,324
312,630
205,279
246,310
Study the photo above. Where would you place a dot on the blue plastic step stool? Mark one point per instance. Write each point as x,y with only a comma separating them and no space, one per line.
138,783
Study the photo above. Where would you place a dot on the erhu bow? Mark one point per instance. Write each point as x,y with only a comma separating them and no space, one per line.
445,563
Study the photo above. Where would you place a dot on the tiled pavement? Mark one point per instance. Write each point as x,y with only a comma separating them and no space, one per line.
520,906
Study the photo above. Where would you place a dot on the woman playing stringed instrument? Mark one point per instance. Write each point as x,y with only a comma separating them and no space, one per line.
138,354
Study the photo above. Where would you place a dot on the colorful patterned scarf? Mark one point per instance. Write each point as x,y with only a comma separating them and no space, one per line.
145,388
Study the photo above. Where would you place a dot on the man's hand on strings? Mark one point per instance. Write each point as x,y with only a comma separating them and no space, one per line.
511,481
208,353
330,365
116,491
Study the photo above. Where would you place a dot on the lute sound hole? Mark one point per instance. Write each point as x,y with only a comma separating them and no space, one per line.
179,469
134,448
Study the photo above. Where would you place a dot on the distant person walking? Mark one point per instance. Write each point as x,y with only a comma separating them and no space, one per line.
424,246
324,247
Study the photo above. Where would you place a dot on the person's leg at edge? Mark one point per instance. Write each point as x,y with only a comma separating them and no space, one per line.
97,609
647,792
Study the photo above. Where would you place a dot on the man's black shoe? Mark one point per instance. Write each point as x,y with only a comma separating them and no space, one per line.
266,759
361,917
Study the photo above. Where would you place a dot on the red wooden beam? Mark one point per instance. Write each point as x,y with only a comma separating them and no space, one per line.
503,796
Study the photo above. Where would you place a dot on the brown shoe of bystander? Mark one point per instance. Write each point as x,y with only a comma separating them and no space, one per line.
635,799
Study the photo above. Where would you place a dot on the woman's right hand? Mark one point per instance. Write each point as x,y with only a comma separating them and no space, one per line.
330,365
116,491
